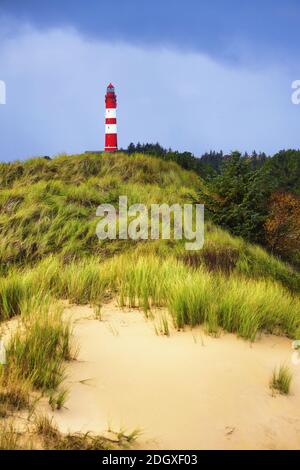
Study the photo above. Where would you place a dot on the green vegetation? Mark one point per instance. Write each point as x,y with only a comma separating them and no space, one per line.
281,380
193,295
244,200
42,433
48,207
254,196
49,248
49,252
14,394
51,438
37,350
207,165
10,438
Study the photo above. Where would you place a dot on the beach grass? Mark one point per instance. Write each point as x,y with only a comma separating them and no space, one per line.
281,380
36,351
49,253
194,296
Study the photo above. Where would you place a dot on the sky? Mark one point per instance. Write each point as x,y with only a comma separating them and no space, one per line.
193,75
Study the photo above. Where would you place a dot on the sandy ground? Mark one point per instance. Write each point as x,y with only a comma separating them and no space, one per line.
186,391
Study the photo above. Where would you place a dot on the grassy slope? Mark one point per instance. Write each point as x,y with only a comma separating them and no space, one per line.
49,247
49,251
48,207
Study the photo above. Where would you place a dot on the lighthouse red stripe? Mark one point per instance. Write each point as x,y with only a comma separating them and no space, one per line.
110,122
110,102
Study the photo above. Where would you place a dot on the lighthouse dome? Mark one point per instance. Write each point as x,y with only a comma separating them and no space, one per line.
110,88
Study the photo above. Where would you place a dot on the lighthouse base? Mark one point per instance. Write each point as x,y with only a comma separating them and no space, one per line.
110,149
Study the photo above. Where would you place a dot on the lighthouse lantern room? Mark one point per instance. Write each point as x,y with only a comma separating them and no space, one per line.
111,144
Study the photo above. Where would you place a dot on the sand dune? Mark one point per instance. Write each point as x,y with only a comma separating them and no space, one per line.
186,391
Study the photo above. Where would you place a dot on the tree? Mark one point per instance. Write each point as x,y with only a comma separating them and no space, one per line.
282,226
237,199
131,148
284,171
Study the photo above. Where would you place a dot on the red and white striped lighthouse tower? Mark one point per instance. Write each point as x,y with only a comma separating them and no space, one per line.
111,143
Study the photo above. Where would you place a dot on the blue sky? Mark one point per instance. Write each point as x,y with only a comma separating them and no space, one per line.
193,75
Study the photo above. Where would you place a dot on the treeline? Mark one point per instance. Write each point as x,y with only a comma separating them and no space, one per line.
260,204
207,165
253,196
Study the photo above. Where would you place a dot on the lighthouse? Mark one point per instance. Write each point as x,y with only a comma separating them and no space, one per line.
111,143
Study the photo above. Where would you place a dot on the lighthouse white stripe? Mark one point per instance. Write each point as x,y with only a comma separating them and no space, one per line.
110,113
110,128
